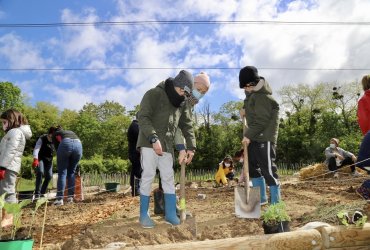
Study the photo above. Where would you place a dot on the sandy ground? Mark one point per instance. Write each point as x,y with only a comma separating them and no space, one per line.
103,217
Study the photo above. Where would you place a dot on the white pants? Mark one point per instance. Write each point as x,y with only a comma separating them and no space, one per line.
149,163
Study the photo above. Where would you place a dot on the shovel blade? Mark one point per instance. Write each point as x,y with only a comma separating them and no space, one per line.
247,209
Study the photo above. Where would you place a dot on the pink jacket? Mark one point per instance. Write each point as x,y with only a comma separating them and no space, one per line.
363,112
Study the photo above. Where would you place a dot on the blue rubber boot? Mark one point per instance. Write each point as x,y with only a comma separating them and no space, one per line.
275,194
260,182
170,209
145,220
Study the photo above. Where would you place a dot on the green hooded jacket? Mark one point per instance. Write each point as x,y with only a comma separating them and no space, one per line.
159,118
262,114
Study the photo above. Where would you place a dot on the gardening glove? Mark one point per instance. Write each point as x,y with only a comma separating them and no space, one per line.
35,163
343,218
2,173
359,219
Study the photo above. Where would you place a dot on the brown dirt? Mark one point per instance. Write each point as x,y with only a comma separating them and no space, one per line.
103,218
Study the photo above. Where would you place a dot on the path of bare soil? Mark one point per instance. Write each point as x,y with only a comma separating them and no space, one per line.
103,218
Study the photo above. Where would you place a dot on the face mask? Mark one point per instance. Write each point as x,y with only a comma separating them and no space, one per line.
241,160
227,165
332,145
197,95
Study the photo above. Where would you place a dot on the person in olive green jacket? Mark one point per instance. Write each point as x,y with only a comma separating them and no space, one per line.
201,86
162,111
262,115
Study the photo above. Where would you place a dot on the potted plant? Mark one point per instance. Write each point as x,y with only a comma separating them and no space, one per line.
275,219
112,186
15,242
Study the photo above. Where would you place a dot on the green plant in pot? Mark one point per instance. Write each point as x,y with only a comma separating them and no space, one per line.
275,219
15,242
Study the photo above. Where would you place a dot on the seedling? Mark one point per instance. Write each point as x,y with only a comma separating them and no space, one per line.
275,214
16,210
38,204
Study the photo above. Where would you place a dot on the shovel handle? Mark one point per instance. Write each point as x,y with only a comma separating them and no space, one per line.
182,193
246,162
246,171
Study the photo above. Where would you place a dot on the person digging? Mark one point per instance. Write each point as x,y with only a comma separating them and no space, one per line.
201,86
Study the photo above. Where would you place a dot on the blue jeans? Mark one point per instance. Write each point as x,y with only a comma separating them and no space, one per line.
364,153
68,155
45,169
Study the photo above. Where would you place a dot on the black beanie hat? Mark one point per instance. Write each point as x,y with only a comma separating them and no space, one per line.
184,80
248,74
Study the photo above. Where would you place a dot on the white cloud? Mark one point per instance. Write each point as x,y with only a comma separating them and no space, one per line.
180,46
74,98
21,54
87,42
310,46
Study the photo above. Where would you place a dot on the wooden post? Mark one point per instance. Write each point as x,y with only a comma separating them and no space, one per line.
343,237
239,243
303,239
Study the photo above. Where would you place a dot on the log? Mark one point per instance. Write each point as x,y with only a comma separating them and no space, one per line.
239,243
304,239
344,237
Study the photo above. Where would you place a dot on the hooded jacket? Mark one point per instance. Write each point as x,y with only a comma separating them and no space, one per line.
159,118
12,147
363,112
262,114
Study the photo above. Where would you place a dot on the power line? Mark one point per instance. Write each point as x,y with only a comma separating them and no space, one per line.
179,68
178,22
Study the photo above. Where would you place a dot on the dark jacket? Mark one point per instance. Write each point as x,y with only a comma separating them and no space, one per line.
262,114
132,135
159,118
44,149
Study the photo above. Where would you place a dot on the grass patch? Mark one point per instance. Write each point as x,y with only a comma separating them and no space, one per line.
25,185
328,214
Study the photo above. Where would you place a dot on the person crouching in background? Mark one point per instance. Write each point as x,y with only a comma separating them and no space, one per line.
225,171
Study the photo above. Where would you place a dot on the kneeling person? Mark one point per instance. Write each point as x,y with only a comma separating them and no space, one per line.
337,157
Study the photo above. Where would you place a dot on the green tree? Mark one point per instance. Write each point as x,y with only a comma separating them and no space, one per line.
69,119
10,96
40,118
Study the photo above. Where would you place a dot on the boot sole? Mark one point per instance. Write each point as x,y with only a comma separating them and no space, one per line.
167,222
147,227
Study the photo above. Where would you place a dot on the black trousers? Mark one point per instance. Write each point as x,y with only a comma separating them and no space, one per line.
135,175
347,161
230,176
262,156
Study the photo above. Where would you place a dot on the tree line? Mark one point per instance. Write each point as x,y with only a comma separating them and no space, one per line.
309,117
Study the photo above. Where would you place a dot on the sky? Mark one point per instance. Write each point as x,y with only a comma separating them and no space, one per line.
110,62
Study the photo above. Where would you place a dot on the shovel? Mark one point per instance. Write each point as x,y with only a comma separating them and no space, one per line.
185,217
247,200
